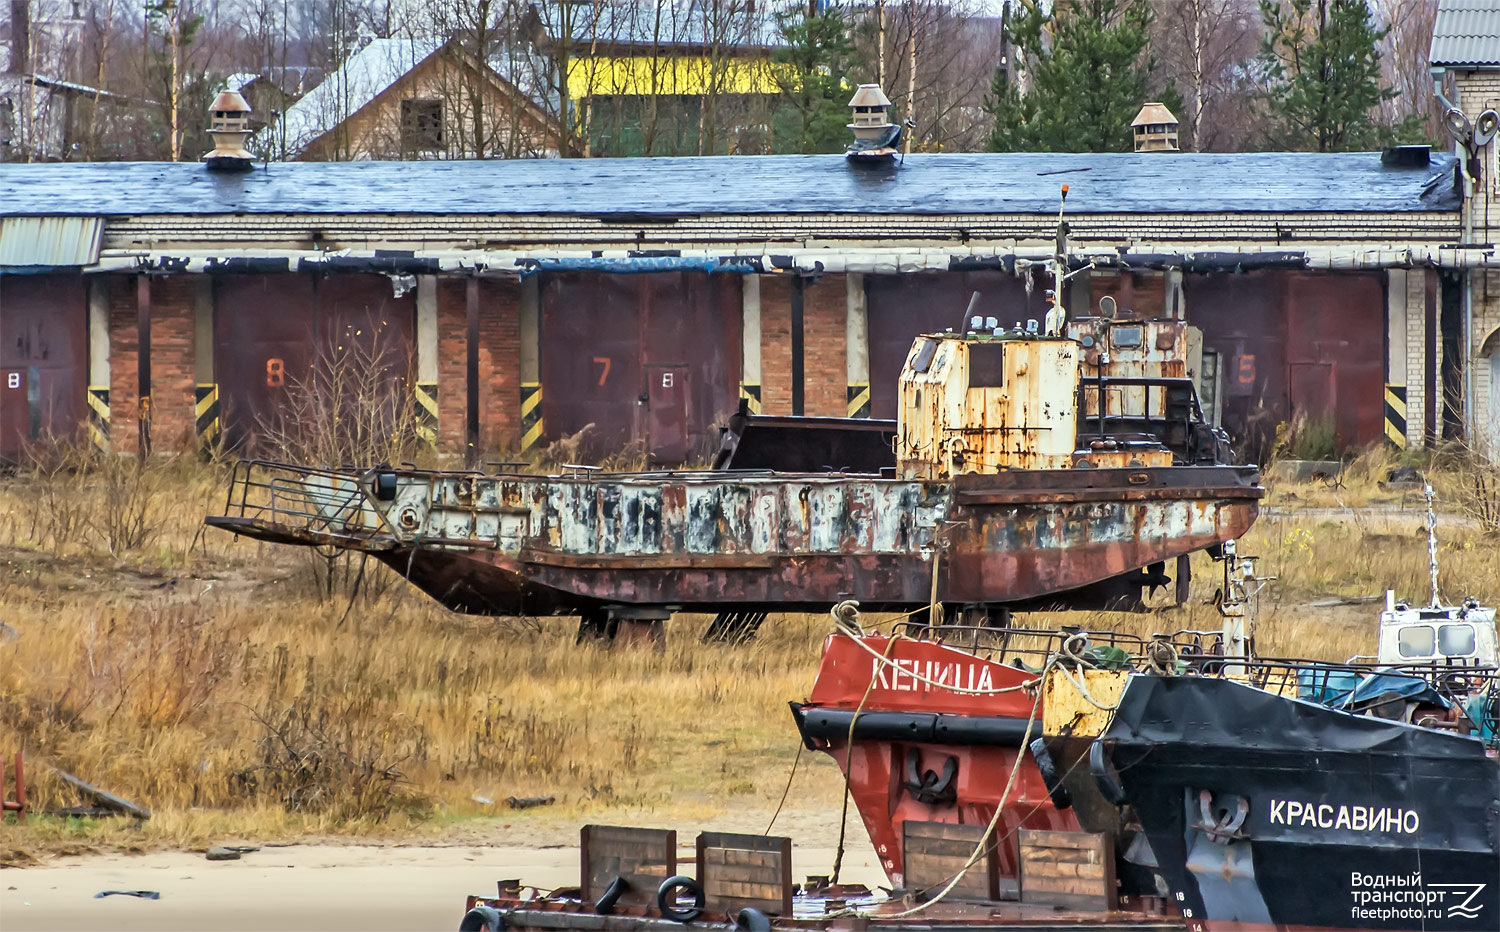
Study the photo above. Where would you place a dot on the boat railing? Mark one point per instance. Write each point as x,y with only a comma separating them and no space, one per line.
1324,681
1034,645
302,499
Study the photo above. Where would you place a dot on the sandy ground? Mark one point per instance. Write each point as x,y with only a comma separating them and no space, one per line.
382,888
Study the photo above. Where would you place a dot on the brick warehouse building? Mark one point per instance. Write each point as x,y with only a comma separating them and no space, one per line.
526,300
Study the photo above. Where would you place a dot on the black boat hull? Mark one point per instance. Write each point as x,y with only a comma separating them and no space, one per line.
1268,812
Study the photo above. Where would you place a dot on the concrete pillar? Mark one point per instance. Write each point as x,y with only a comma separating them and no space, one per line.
98,387
206,428
1396,411
426,391
857,346
750,342
531,369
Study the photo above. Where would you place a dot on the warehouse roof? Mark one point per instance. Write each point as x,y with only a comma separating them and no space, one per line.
789,184
1466,32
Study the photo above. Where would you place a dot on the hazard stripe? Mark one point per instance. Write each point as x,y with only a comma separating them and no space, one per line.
531,414
859,400
426,394
206,413
1395,415
751,393
98,417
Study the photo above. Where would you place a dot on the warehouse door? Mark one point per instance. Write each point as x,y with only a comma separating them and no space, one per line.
642,364
43,359
1336,354
299,358
902,307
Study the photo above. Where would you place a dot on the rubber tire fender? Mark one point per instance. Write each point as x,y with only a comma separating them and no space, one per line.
482,919
1104,776
1053,780
666,896
751,919
612,893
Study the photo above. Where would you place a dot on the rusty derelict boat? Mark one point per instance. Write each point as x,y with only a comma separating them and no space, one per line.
1028,472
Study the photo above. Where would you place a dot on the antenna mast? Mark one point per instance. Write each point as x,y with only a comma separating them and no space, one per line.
1432,563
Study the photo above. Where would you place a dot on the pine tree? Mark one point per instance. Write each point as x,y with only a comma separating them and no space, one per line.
1087,84
1322,62
810,69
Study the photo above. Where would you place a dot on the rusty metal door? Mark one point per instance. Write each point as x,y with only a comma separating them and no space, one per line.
901,307
275,334
669,413
1243,319
603,335
263,349
1336,352
43,358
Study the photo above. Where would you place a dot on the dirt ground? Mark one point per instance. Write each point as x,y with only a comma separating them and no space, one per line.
380,888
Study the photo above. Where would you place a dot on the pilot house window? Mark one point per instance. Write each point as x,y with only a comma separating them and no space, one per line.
421,124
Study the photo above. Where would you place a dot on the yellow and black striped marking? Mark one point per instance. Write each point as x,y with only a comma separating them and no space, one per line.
751,393
859,400
1395,415
99,417
531,414
206,413
427,412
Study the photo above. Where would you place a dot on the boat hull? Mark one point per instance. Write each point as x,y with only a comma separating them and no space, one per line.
927,753
707,541
1269,812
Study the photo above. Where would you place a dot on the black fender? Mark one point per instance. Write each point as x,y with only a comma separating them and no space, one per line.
1104,776
1053,780
482,919
751,919
612,893
666,898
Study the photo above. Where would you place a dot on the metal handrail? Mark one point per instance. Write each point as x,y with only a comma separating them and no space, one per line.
305,498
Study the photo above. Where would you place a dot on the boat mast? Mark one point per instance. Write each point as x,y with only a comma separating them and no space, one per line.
1432,564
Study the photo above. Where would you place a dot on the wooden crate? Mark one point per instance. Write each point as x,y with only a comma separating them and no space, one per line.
643,856
740,871
936,851
1070,869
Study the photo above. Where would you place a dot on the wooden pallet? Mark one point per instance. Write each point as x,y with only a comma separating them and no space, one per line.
745,871
644,857
936,851
1075,870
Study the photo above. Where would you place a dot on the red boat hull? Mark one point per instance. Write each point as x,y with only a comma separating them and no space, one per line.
930,753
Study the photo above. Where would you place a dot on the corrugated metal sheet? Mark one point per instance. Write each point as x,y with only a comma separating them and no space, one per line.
637,193
1466,32
50,241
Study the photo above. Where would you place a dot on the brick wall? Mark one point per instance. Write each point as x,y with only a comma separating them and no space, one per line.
123,371
172,299
499,364
172,373
1478,91
824,339
775,344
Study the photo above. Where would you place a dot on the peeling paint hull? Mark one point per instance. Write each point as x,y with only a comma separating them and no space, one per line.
705,541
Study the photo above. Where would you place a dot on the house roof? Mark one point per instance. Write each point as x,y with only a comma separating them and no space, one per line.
946,184
366,75
1466,32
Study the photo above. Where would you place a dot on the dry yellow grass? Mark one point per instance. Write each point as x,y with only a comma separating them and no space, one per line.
207,679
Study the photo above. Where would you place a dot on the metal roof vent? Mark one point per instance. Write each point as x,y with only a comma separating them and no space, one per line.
229,124
1155,129
876,138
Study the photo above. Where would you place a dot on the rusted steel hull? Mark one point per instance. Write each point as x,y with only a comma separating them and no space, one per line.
701,541
924,753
